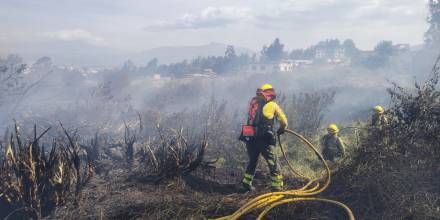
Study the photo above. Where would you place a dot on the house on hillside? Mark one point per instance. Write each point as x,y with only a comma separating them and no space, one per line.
159,77
283,66
299,63
262,68
321,53
402,47
206,73
332,55
286,66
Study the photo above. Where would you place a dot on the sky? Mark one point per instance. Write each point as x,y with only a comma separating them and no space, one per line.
136,25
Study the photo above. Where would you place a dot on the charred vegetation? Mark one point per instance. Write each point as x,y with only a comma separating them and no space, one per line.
38,175
394,173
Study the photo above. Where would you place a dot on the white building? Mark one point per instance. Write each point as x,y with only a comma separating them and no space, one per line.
286,66
339,54
299,63
320,53
206,73
336,56
402,47
156,77
283,66
263,68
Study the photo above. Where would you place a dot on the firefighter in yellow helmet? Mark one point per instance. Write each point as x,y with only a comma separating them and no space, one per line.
378,118
263,110
332,144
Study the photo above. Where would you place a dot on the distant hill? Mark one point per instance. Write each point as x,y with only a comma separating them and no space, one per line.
83,54
417,47
72,53
179,53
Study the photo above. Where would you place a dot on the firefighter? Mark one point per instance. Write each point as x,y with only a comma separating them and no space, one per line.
332,144
263,111
378,119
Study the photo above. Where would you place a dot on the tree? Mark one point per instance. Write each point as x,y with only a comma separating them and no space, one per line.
432,36
382,53
329,44
17,81
349,46
351,50
231,61
151,66
385,48
309,53
219,64
274,52
129,67
43,63
244,59
254,58
12,83
230,53
297,54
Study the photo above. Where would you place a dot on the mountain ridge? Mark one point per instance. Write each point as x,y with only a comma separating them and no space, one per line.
87,55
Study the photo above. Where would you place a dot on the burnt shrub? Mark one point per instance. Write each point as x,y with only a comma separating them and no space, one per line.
37,176
395,171
306,111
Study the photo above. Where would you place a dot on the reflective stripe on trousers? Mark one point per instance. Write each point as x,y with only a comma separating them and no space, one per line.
248,179
277,181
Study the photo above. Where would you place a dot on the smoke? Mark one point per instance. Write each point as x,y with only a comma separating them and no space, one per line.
104,98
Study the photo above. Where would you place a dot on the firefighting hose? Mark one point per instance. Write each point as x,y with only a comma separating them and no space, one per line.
312,188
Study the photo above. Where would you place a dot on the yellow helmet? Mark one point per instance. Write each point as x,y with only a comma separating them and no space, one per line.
266,87
378,109
333,129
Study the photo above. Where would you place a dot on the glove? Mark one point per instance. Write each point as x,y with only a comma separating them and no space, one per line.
281,131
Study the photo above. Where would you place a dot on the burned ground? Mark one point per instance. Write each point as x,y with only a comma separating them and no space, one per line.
165,167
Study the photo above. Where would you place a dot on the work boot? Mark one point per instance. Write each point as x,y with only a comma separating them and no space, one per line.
276,188
277,183
246,188
246,184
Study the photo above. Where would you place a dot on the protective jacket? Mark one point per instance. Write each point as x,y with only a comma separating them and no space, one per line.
262,113
379,120
332,146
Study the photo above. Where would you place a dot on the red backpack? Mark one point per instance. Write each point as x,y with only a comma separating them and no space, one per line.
248,131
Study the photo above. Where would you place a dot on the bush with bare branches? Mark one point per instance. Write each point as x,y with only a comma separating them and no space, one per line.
306,111
35,179
395,172
173,154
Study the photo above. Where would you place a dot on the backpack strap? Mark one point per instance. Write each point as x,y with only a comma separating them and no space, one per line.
254,108
259,112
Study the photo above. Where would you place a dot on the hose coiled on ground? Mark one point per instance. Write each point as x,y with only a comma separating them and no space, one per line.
269,201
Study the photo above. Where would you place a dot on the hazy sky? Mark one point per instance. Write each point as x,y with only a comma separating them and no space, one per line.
136,25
